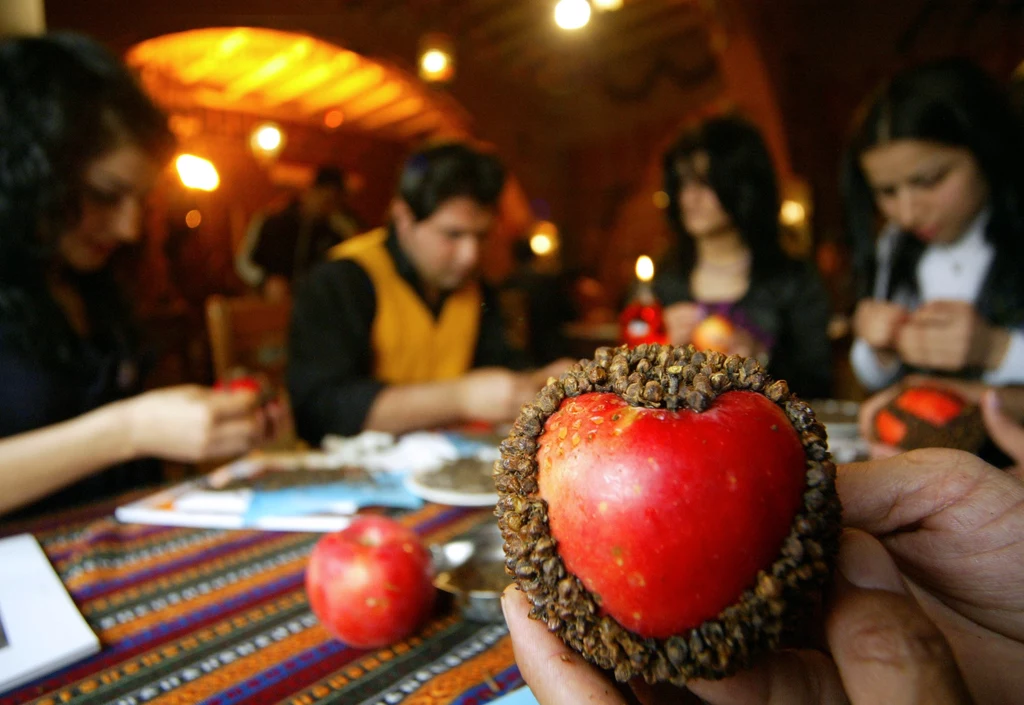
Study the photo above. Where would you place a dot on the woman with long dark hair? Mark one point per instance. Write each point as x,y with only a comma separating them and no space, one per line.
728,260
938,157
80,147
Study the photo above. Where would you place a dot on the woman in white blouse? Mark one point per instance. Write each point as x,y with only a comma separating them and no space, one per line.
939,156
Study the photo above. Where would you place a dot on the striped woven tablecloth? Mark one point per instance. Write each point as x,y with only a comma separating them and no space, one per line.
221,618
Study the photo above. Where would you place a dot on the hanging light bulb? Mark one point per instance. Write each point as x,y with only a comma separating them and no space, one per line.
544,239
197,173
267,140
792,212
572,14
437,58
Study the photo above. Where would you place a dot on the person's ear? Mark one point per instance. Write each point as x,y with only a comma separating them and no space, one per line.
402,215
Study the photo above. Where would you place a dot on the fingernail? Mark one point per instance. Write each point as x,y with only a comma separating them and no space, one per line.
865,563
504,609
991,400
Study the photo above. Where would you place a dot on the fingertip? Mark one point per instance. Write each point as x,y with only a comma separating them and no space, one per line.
516,609
866,564
881,451
991,402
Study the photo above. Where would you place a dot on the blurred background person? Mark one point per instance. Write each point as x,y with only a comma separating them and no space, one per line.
280,247
728,260
537,305
938,155
398,332
80,147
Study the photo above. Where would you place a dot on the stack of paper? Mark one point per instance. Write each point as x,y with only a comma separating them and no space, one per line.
41,629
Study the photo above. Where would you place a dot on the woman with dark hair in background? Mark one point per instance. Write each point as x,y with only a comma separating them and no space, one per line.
724,207
939,155
80,147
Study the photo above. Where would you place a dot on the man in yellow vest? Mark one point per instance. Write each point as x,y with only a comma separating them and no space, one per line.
397,332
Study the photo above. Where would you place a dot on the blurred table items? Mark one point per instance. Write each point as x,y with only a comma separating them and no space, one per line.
839,417
471,566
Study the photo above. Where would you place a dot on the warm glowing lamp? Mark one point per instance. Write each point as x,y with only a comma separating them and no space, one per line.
544,239
197,173
541,244
267,140
572,14
437,59
641,321
792,212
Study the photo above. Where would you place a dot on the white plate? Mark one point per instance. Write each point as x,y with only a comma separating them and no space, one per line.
424,484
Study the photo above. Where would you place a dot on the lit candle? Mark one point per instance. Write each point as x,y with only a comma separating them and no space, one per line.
641,321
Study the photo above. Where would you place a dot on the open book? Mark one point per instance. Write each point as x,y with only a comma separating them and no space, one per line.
41,629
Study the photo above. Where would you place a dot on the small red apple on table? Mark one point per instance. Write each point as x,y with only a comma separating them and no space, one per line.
370,584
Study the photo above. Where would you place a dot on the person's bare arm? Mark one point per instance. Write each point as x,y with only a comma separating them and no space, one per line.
492,394
407,407
180,423
34,464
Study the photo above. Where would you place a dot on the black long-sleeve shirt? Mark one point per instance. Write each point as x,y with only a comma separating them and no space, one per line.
330,356
791,307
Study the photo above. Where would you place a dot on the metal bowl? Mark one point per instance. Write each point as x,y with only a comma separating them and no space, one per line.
471,567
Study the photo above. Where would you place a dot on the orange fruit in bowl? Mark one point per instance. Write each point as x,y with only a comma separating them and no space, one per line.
713,333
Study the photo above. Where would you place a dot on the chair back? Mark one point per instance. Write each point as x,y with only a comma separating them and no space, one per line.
249,333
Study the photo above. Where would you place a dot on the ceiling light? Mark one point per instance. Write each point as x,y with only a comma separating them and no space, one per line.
572,14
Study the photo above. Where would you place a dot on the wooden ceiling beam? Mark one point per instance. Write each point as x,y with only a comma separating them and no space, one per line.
394,112
264,73
302,84
385,94
357,82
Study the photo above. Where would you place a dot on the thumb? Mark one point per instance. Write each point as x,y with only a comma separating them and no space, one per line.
556,674
1006,432
886,648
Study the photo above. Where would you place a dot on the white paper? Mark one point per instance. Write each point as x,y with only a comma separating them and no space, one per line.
43,627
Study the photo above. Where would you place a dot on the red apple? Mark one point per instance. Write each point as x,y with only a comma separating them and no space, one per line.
889,429
935,406
371,583
713,333
667,516
240,384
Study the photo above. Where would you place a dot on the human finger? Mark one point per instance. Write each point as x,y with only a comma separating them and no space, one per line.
870,407
556,674
884,496
1006,432
879,451
784,678
235,437
227,404
884,645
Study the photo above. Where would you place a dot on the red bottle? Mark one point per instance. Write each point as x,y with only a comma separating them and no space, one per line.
641,321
